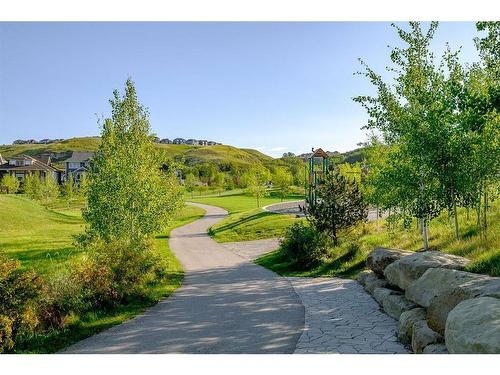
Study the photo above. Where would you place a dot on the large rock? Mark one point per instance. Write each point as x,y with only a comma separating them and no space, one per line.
435,349
395,304
440,290
406,270
381,293
373,281
362,276
473,326
380,258
406,322
423,336
437,281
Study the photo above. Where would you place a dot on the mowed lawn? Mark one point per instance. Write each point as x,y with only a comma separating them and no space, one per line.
42,239
246,221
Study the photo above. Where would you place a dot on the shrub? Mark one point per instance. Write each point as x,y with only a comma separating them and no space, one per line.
115,272
19,293
303,245
10,183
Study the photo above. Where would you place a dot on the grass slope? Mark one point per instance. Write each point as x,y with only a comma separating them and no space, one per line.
42,239
219,154
246,221
484,252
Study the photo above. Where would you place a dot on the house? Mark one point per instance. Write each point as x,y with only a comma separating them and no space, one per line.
202,142
24,165
211,143
179,141
192,142
155,139
77,164
166,141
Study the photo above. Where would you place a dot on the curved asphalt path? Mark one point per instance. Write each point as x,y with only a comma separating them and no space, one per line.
226,305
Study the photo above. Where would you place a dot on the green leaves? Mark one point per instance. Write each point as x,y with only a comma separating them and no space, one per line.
129,195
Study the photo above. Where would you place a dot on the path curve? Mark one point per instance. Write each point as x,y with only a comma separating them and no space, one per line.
226,305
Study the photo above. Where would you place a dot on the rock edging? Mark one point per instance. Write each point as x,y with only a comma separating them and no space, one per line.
440,307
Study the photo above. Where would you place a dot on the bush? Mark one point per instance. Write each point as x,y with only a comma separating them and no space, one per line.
19,293
303,245
115,272
10,184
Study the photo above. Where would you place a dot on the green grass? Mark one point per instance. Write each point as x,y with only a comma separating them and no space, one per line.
251,225
218,154
42,239
237,201
484,252
246,221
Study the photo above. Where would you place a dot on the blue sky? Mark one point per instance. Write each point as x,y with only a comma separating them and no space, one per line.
272,86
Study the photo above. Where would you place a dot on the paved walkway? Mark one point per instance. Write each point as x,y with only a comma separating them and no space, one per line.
226,305
340,316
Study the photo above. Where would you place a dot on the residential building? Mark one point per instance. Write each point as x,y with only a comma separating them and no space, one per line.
202,142
77,164
211,143
166,141
24,165
192,142
179,141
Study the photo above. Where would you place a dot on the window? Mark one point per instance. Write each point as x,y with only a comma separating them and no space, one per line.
20,176
73,165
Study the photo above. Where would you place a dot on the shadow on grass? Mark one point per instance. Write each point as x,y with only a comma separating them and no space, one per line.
244,221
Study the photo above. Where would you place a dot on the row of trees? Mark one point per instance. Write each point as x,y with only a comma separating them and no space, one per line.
45,189
439,123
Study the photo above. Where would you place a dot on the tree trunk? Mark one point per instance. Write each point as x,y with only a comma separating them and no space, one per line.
457,230
425,234
485,208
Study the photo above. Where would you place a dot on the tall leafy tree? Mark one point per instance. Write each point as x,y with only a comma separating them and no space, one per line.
418,118
129,196
254,180
282,179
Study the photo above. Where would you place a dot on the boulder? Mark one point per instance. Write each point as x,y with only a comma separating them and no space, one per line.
437,281
406,270
373,281
394,305
362,277
423,336
435,349
406,321
473,326
380,258
440,290
381,293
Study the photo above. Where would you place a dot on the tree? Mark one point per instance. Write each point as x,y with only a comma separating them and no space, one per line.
49,189
129,196
68,189
254,180
190,183
11,183
282,179
418,118
340,205
83,185
218,181
32,186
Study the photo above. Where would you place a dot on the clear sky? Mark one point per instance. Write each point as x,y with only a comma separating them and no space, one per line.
272,86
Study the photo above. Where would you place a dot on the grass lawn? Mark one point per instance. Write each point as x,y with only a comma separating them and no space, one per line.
484,252
42,239
246,221
251,225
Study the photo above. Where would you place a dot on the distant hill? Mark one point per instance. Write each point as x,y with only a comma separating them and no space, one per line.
189,155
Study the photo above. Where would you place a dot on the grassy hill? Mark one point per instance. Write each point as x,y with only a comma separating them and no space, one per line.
190,155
